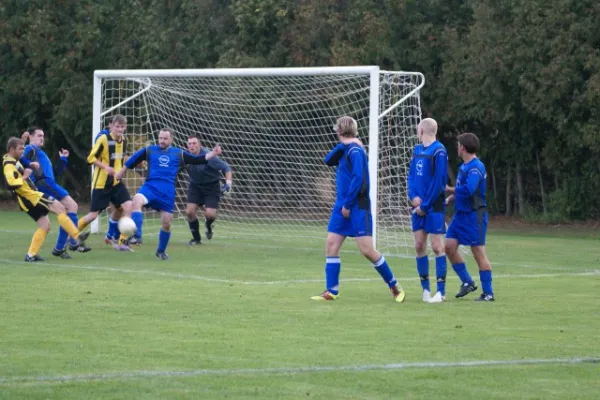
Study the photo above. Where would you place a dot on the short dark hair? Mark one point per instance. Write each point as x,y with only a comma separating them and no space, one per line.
32,129
193,136
13,143
469,141
167,130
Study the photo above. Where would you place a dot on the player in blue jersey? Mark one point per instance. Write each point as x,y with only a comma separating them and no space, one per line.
44,178
351,214
158,191
427,180
469,224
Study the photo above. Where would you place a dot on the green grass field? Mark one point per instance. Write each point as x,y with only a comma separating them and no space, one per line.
232,319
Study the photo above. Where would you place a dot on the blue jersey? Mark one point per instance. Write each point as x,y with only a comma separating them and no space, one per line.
427,176
163,165
352,175
470,186
46,171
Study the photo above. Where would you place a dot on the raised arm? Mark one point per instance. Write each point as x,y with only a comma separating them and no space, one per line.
60,167
334,156
189,158
438,183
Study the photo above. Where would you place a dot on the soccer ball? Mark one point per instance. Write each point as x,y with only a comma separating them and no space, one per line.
127,226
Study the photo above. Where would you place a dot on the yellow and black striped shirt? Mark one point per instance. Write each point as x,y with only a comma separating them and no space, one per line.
27,193
110,152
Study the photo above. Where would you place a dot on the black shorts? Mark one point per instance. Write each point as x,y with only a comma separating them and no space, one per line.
41,209
205,195
116,195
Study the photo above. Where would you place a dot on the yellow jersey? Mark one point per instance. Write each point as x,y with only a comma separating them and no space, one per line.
110,152
27,194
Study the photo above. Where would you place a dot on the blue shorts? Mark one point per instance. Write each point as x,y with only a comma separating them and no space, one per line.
359,224
468,228
51,188
157,198
434,223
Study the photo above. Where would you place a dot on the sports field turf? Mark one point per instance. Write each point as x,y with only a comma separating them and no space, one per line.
232,319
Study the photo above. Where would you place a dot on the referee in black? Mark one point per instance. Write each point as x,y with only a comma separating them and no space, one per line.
205,189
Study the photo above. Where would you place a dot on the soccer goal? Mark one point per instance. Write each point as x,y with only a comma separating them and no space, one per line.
275,126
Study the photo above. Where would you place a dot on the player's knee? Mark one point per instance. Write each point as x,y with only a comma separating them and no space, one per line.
438,249
166,226
124,209
420,246
212,213
331,247
191,215
449,248
58,207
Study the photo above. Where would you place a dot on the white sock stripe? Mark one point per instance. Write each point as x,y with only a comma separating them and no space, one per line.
333,260
379,262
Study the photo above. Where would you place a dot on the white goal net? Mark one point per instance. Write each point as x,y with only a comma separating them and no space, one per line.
275,127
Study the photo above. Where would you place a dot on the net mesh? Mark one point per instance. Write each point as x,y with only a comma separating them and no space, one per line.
275,131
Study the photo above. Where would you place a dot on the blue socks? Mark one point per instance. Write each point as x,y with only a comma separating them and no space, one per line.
61,242
382,267
163,241
332,274
440,273
113,229
463,274
75,220
138,218
486,281
423,271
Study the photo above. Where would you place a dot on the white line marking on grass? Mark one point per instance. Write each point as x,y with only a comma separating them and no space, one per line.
266,283
29,380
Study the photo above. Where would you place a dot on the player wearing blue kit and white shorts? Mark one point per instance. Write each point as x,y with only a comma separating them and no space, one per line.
469,224
158,191
427,180
351,214
44,176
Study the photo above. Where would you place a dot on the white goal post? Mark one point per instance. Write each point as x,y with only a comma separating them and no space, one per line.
275,126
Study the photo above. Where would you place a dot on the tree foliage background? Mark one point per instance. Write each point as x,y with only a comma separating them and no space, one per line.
522,74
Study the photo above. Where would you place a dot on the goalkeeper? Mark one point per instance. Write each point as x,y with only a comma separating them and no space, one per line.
205,189
158,191
351,214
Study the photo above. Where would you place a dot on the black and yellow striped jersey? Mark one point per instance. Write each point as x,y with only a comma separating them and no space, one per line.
25,190
110,152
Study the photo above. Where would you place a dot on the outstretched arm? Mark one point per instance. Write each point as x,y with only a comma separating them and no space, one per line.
334,156
189,158
135,159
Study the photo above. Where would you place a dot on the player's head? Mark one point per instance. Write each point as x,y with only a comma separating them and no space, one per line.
427,129
165,138
15,147
346,127
468,143
36,136
117,125
193,144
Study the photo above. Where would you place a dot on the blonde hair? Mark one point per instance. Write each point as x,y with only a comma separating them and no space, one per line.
347,126
429,126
